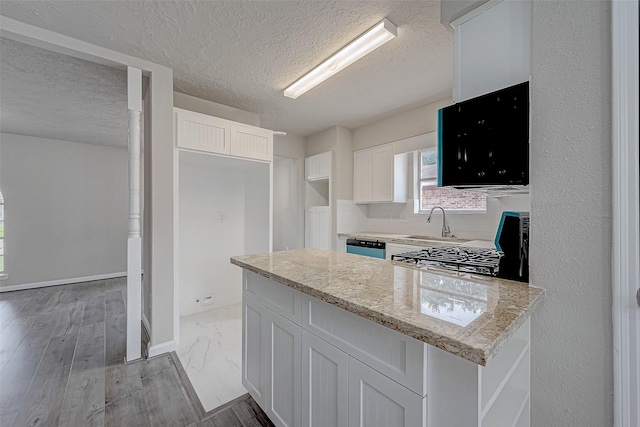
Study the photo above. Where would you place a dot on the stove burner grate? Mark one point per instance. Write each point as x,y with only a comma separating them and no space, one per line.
460,259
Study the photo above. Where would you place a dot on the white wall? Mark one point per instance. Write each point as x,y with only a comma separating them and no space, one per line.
223,211
343,167
203,106
212,211
257,197
287,217
290,145
404,125
66,209
571,213
321,142
288,196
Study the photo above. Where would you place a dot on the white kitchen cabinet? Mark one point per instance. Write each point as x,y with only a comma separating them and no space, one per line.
379,176
382,176
362,175
200,132
253,348
492,48
401,358
196,131
377,401
496,395
318,166
283,371
318,227
326,383
251,142
324,366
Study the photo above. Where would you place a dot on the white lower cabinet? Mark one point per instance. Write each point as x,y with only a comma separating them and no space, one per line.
283,370
254,325
325,383
377,401
322,366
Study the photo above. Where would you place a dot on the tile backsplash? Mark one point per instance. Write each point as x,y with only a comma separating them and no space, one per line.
399,218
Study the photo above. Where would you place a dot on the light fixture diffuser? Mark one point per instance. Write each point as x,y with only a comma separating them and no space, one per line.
381,33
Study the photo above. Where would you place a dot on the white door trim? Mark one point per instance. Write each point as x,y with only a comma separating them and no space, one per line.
134,241
626,229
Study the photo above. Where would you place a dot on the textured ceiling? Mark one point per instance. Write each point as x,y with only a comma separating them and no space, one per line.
244,53
49,95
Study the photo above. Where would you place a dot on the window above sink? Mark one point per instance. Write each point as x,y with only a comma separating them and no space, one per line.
449,198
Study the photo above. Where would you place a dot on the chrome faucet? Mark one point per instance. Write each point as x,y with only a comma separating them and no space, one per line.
445,228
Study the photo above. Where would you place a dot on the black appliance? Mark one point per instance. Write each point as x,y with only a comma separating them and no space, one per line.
512,239
510,259
484,141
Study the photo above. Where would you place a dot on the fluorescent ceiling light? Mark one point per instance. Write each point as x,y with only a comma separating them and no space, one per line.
381,33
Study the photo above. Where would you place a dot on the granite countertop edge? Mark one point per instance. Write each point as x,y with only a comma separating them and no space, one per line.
478,355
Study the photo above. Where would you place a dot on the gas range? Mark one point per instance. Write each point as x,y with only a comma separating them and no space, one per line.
455,258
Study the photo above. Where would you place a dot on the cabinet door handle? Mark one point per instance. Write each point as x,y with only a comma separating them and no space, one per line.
638,297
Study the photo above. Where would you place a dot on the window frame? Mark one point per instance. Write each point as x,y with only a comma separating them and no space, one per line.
420,180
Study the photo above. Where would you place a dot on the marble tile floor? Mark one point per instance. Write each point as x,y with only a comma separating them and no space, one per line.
211,353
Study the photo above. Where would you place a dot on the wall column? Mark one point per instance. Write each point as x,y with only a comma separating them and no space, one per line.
134,242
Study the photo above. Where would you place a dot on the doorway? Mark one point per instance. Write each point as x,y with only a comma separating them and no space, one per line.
223,211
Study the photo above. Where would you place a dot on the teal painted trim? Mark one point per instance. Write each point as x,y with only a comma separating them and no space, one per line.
439,181
499,232
370,252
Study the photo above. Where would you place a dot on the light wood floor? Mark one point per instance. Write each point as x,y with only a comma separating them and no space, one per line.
62,354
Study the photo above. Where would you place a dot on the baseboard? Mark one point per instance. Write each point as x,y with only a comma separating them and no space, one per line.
61,282
165,347
146,326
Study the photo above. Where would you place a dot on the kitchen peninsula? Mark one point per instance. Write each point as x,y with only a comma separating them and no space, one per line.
332,338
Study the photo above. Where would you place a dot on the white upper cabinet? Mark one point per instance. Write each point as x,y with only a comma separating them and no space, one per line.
362,175
318,166
382,176
196,131
379,176
492,48
204,133
251,142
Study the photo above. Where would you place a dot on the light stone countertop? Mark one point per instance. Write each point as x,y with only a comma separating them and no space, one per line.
417,240
469,316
